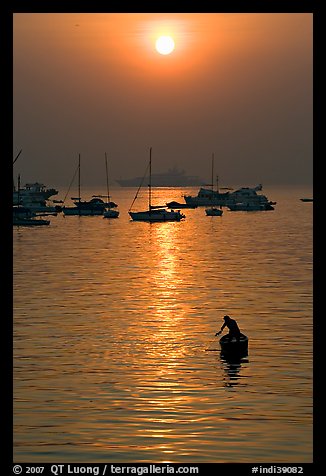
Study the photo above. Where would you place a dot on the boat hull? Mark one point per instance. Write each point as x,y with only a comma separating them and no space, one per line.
111,214
250,207
156,216
212,198
20,221
234,346
74,211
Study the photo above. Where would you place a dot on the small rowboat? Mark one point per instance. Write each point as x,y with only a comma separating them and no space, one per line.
234,346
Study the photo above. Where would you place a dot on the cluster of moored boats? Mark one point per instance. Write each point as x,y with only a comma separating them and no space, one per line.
30,204
242,199
33,205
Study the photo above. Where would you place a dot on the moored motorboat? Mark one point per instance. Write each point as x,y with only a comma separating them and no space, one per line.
110,213
244,199
214,212
208,196
23,216
34,197
33,192
233,345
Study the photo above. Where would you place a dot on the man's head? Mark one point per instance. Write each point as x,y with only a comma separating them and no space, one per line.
227,318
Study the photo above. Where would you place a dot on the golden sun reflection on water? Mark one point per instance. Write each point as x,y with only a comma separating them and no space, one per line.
167,392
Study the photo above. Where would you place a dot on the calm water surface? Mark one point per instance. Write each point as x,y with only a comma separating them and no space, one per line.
115,358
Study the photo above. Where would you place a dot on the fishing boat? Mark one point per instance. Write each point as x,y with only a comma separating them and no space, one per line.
234,346
307,199
109,212
154,213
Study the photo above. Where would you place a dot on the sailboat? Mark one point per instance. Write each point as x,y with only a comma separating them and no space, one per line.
214,211
95,206
154,213
109,213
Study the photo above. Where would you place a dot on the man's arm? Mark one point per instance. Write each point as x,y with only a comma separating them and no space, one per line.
219,332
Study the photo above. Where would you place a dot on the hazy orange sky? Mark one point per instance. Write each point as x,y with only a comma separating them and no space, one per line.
238,85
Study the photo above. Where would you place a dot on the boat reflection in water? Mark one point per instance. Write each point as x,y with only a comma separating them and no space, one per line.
231,365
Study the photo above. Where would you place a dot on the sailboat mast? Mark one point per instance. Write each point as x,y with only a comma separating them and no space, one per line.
212,171
18,192
150,180
107,178
13,182
79,178
17,155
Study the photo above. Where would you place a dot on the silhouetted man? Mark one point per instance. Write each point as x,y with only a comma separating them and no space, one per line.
233,327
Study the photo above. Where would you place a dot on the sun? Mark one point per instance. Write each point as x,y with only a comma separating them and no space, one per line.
164,45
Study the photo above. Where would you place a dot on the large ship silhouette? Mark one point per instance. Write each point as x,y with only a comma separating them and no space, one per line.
172,178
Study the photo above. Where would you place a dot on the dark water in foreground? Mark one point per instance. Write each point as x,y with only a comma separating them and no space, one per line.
114,325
